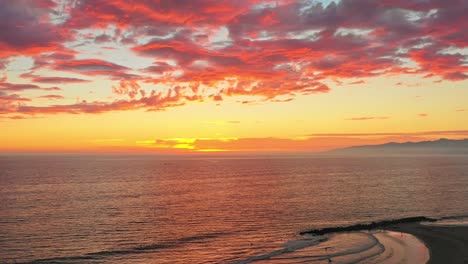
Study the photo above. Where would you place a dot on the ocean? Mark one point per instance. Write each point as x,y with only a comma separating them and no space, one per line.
207,209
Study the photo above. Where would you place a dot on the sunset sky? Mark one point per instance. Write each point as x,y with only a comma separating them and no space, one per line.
237,76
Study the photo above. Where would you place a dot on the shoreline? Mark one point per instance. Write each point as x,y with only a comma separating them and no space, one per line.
446,244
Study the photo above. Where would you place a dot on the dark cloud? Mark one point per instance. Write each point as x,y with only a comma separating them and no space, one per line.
25,27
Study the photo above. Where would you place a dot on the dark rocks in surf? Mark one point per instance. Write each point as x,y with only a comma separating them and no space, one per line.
368,226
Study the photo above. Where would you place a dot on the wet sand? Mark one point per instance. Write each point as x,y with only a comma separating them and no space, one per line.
446,244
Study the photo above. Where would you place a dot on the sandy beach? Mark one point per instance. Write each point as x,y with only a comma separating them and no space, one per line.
446,244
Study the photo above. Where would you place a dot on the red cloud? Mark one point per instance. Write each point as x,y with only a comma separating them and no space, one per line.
27,29
10,102
15,87
422,133
207,49
358,82
18,87
53,80
449,66
90,67
155,101
12,98
130,88
52,96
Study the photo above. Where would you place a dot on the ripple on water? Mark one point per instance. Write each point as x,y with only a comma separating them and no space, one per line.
353,247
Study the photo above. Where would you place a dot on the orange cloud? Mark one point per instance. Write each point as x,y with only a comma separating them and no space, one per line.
52,96
220,49
436,133
364,118
320,142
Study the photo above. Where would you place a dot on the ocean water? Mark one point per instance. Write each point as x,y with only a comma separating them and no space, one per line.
149,209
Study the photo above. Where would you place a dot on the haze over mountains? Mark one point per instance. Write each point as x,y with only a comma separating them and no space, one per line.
438,147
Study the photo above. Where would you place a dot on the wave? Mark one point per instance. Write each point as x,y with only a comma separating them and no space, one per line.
119,252
375,249
290,246
369,248
455,217
381,247
461,220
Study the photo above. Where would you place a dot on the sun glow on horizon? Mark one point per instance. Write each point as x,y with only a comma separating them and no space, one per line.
237,76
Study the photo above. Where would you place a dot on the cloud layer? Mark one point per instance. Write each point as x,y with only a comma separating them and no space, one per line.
211,50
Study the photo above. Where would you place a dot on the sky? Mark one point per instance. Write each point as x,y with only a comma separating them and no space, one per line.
221,76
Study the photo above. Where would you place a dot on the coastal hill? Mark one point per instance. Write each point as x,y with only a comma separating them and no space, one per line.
438,147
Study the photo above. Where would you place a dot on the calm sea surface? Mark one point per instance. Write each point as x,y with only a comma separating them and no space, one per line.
144,209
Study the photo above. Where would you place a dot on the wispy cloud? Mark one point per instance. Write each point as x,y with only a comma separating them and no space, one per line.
365,118
383,134
52,96
230,122
106,140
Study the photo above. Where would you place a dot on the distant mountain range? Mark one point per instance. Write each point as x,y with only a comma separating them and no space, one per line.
438,147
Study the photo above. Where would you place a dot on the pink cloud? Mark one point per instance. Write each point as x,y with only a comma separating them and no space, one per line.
358,82
20,24
127,87
53,80
211,50
52,96
89,67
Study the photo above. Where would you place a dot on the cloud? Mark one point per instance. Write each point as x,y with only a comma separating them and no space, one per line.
90,67
103,38
229,122
52,96
160,67
127,87
358,82
53,80
17,87
26,28
12,97
282,100
10,102
155,101
364,118
272,144
420,133
423,115
270,51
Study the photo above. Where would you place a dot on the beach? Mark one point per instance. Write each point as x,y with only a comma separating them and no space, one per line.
446,244
406,240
